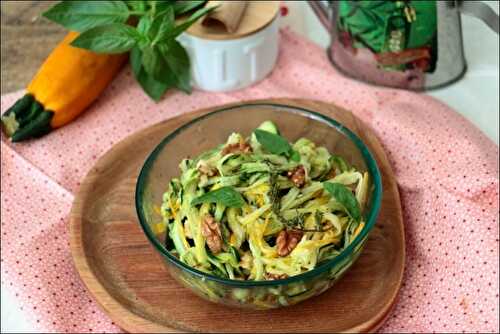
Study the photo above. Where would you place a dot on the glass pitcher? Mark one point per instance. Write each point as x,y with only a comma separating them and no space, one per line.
414,45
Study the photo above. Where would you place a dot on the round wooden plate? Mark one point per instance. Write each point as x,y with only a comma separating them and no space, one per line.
128,279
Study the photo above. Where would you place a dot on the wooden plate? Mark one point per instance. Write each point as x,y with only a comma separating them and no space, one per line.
128,279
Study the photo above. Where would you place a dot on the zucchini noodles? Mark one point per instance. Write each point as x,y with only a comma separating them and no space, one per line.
261,208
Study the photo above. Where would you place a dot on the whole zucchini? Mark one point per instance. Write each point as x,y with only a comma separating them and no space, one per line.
69,80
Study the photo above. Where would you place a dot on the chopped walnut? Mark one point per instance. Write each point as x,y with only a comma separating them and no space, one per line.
287,241
211,231
246,261
331,174
269,276
242,147
298,176
206,169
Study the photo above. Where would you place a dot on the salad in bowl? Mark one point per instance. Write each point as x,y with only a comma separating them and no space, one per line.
257,220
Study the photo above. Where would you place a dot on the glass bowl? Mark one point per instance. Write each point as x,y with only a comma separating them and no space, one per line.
212,129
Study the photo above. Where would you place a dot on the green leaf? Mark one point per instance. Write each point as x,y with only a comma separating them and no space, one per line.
144,25
153,88
112,38
162,24
186,24
345,198
340,163
151,60
168,63
295,156
181,7
84,15
136,60
178,61
273,143
136,5
226,196
162,5
156,66
157,5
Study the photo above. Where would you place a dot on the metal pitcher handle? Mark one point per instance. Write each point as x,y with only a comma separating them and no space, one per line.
480,10
322,11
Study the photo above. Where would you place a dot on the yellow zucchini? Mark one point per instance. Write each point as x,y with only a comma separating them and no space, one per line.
69,80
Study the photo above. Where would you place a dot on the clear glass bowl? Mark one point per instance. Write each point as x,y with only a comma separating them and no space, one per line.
208,131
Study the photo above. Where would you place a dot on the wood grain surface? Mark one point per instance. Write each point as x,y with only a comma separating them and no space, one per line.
129,280
26,40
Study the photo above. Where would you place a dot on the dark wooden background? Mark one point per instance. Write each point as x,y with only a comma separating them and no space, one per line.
26,40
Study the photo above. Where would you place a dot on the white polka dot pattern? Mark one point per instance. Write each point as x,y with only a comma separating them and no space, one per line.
447,172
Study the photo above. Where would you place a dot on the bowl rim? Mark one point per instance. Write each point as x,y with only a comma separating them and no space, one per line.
372,215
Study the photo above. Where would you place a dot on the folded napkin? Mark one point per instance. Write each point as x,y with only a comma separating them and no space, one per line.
447,172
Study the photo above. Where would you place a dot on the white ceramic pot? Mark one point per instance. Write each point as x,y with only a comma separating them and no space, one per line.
225,65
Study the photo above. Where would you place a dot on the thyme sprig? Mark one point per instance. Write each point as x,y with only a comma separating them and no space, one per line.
297,222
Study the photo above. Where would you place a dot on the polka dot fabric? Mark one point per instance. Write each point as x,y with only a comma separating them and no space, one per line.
447,172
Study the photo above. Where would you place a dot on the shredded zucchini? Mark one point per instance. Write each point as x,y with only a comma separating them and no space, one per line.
265,190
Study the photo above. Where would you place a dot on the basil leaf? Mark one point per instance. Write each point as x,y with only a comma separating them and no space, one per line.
162,5
157,5
136,5
294,155
178,61
186,24
162,24
112,38
273,143
83,15
136,61
153,63
340,163
153,88
181,7
345,198
168,63
226,196
144,25
156,66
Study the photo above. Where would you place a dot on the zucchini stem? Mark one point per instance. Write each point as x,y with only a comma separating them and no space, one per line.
26,119
36,127
10,125
22,105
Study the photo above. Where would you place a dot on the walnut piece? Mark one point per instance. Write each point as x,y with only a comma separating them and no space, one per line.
211,231
287,241
204,168
242,147
269,276
246,261
298,176
331,174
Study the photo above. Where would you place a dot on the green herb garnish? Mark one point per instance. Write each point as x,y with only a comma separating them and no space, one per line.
298,221
340,163
226,196
345,198
83,15
181,7
276,144
318,219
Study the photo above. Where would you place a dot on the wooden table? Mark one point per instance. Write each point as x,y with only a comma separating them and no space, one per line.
27,39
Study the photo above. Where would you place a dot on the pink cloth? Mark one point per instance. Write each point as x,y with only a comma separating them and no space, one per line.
447,172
